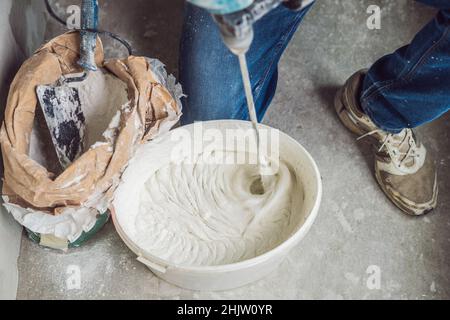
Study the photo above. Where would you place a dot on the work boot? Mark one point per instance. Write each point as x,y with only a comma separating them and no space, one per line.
403,169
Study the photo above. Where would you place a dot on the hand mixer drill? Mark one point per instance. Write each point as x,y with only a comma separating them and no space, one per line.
235,19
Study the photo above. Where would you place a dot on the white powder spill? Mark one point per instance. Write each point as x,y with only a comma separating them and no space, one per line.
102,95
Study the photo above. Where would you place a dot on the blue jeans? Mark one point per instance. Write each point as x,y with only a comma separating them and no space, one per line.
405,89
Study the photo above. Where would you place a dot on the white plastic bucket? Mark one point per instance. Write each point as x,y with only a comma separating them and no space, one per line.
224,277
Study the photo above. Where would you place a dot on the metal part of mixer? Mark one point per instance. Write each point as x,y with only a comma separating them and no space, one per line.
235,19
237,27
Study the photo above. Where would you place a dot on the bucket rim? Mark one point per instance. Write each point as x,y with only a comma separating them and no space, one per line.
281,249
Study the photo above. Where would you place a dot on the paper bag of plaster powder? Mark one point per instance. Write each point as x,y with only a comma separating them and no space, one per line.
65,204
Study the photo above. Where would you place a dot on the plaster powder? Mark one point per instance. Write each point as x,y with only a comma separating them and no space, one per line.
102,96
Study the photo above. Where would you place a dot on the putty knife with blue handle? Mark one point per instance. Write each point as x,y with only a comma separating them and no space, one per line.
61,103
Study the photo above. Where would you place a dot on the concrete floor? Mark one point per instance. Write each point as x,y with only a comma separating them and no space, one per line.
357,228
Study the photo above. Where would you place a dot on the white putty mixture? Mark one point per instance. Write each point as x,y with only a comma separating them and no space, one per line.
212,214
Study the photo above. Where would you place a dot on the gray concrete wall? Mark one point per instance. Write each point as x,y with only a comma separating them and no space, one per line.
29,21
22,27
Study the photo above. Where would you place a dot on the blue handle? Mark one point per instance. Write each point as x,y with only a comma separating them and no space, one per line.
222,6
89,21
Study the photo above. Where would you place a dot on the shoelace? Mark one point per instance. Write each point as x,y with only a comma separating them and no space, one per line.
394,151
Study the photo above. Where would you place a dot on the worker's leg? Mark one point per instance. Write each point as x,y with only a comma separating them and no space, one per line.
403,90
412,86
210,73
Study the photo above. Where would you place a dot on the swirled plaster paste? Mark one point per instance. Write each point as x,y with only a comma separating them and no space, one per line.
202,214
